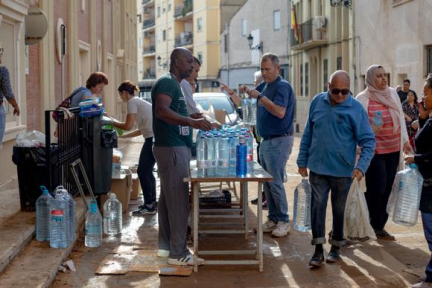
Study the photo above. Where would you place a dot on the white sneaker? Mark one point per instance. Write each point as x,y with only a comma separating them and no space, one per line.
281,230
269,226
163,253
187,260
422,284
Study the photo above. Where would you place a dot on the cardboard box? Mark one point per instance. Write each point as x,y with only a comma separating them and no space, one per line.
121,185
136,187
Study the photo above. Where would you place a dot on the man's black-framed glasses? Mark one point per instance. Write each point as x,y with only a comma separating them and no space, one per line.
343,91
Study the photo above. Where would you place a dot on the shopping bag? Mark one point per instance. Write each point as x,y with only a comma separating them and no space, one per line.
356,218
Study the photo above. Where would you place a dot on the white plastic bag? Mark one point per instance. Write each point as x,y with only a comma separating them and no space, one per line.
30,139
356,219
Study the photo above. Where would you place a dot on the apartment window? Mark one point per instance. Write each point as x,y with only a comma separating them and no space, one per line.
244,27
158,11
428,59
339,63
200,58
276,20
200,24
169,6
306,68
301,79
325,74
164,35
163,7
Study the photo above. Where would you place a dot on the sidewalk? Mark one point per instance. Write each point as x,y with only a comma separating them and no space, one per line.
375,264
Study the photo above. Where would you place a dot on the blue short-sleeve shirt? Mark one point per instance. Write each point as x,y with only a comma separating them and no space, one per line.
280,93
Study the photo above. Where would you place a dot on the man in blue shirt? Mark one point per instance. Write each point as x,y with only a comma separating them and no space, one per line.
337,124
275,117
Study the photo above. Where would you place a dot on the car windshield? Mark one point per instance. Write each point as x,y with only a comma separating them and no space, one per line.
219,103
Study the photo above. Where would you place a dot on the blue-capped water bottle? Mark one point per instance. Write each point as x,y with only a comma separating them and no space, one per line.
93,226
223,157
43,215
241,168
249,157
201,151
210,156
377,119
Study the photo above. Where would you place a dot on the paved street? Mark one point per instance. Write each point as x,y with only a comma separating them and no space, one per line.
375,264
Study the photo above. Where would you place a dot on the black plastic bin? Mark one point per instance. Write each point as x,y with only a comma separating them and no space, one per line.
32,173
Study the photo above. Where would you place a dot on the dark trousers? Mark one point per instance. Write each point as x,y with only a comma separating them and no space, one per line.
321,186
379,181
145,172
427,227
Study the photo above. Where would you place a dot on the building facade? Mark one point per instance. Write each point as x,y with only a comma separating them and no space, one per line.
193,24
320,42
269,29
395,34
100,36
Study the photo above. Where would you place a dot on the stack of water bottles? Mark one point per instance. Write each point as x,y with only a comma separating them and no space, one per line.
405,197
55,217
227,152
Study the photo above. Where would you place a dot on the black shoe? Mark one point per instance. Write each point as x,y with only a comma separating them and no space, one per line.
255,201
144,211
333,256
384,235
317,259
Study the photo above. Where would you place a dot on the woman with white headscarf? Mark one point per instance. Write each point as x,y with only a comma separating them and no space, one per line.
392,140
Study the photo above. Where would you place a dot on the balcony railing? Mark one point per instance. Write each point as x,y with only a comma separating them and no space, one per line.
148,23
146,1
149,49
185,38
310,34
149,74
182,9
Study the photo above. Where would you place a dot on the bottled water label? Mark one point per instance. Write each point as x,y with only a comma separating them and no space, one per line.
223,163
249,158
201,164
57,216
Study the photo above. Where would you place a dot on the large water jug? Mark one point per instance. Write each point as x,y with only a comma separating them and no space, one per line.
210,156
93,226
59,217
302,206
112,215
43,215
405,196
241,168
223,157
201,157
233,155
249,156
70,217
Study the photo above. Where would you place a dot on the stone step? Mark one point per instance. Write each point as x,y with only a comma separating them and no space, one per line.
37,264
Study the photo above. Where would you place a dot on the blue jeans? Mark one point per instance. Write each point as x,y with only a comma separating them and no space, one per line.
321,186
427,227
274,154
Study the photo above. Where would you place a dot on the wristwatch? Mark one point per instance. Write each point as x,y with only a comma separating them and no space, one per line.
259,96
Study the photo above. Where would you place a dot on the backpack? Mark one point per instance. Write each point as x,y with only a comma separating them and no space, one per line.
66,103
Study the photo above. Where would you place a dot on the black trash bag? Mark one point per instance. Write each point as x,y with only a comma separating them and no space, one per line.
109,139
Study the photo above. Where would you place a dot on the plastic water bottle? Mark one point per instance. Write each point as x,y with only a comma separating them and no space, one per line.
302,209
112,215
252,111
241,168
59,237
93,227
407,197
249,156
43,215
210,156
245,110
377,119
71,208
201,157
223,157
233,141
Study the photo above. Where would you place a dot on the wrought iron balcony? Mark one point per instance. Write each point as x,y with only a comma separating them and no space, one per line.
310,34
182,9
185,38
146,1
148,23
149,49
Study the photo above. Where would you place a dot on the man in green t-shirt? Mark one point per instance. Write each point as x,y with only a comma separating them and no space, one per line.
172,129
